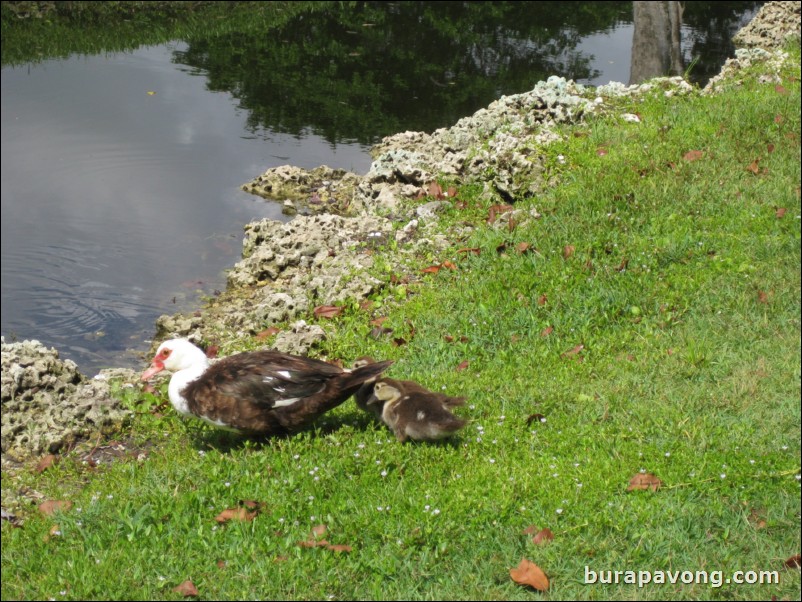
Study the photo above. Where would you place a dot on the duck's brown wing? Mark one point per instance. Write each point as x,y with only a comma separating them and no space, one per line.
261,378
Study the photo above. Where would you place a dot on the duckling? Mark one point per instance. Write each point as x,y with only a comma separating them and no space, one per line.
414,414
366,399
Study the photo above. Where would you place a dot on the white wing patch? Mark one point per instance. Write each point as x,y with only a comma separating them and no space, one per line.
283,373
286,402
421,415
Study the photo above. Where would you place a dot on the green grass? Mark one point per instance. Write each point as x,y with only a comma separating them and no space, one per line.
684,289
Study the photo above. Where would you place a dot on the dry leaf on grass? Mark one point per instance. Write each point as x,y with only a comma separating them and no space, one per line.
50,506
543,536
328,311
235,514
643,481
267,333
794,562
528,573
45,463
187,589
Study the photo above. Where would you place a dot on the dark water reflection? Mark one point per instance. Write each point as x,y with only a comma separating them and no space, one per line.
119,205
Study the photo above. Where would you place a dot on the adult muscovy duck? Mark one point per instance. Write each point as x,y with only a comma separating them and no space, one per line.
257,393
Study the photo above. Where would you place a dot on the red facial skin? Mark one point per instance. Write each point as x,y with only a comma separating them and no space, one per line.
157,365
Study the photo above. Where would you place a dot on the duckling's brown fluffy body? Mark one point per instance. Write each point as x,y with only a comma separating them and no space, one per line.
414,414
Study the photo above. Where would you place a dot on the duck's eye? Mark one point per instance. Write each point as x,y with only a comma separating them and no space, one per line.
166,353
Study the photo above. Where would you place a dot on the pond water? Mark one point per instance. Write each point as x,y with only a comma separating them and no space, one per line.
121,171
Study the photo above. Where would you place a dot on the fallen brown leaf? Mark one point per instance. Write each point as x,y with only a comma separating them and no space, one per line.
45,463
754,167
473,250
568,250
378,332
601,151
496,210
235,514
318,531
644,481
794,562
528,573
547,331
378,321
267,333
780,213
212,351
187,589
524,247
535,418
435,190
543,536
338,547
781,90
693,155
448,264
573,351
762,297
312,543
51,506
328,311
432,269
542,299
462,365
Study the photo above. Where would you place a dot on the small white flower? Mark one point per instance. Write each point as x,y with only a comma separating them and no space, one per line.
384,473
492,461
559,510
228,484
295,457
723,475
436,511
668,454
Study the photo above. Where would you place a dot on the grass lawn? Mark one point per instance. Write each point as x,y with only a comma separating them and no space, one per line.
647,323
